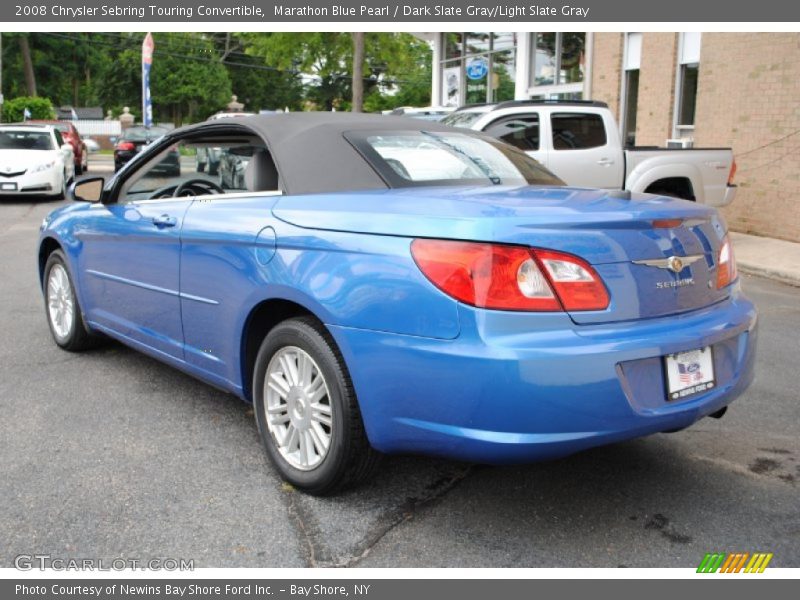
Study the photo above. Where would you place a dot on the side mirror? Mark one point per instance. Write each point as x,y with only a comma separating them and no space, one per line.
87,190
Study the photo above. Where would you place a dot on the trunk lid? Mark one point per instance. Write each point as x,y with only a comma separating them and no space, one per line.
616,235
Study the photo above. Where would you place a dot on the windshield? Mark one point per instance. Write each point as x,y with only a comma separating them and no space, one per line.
141,134
436,158
26,140
462,118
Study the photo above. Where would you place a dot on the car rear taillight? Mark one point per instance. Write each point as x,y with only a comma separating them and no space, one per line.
498,276
577,284
726,264
732,172
125,146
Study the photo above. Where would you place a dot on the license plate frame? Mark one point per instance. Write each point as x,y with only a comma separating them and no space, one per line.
689,373
8,186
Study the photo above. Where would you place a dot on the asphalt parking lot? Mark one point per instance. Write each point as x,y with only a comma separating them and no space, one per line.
110,454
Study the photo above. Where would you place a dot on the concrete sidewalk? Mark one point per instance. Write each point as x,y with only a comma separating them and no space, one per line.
767,257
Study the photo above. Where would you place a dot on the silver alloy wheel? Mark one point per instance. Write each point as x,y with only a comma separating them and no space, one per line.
298,408
60,307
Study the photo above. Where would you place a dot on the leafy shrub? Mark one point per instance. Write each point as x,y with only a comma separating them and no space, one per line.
40,108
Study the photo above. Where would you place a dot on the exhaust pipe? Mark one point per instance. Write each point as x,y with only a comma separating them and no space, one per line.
719,413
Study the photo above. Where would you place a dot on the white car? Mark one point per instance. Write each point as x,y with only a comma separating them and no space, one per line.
34,160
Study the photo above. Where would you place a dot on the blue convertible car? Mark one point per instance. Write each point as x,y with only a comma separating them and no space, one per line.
385,285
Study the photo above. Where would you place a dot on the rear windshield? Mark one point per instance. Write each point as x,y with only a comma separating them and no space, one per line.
141,134
26,140
412,158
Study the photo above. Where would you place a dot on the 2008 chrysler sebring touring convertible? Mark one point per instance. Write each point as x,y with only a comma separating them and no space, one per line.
377,284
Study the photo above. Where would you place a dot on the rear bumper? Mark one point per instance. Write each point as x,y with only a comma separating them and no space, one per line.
517,387
730,195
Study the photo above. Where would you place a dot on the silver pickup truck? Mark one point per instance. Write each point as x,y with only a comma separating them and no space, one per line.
580,142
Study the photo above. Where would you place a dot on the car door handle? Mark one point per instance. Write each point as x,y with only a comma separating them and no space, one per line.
165,221
605,161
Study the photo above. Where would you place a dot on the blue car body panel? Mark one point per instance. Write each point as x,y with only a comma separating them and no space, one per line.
179,280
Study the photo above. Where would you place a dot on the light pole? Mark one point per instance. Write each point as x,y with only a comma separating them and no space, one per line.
2,99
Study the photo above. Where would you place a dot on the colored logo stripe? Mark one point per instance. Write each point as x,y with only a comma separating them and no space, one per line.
710,563
758,563
734,562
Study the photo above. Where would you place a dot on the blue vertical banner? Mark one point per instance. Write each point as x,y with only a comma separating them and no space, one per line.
147,61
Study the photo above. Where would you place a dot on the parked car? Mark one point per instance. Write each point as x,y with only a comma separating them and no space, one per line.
387,285
136,139
580,142
229,115
427,113
232,167
34,159
212,157
91,145
72,136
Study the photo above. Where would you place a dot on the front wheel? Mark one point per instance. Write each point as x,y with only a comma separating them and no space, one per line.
61,306
62,193
307,412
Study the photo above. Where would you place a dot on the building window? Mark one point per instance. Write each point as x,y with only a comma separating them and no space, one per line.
632,61
558,65
686,81
631,106
688,98
478,67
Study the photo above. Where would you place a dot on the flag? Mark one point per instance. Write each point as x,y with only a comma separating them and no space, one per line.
26,114
147,61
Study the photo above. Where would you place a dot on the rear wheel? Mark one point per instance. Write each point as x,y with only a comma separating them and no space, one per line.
61,306
307,412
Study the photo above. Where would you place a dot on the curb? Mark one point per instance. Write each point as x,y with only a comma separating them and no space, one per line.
767,273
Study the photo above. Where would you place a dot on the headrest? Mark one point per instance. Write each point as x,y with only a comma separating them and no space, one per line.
260,175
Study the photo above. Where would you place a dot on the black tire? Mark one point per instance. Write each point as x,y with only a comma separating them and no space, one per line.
79,337
349,459
62,194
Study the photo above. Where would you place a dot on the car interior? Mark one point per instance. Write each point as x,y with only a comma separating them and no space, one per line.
224,165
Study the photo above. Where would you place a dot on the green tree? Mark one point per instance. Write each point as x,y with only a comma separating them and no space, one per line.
394,63
187,81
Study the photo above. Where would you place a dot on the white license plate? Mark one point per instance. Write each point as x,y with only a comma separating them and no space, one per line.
10,187
689,373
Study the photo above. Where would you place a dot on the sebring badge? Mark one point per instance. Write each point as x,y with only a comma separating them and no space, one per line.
676,264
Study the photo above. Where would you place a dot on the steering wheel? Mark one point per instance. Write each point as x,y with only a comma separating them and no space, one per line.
193,185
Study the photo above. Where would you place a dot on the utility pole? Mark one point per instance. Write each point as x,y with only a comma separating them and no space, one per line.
358,72
2,98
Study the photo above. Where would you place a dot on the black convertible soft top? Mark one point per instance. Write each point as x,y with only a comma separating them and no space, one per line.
310,150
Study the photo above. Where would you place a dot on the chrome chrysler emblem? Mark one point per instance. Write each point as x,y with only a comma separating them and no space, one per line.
676,264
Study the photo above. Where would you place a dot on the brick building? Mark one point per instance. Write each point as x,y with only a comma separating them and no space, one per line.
707,89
